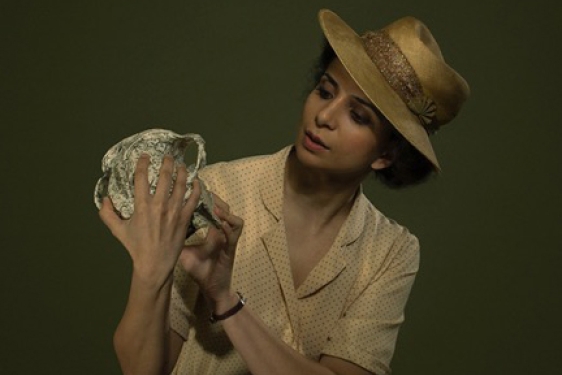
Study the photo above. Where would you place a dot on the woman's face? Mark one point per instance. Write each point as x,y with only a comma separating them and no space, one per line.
341,131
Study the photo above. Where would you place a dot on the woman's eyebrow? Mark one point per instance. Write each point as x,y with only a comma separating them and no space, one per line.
331,79
365,102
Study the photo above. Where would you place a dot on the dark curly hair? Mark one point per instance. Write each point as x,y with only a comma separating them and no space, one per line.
409,166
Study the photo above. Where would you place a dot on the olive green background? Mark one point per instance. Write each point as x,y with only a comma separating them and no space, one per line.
76,77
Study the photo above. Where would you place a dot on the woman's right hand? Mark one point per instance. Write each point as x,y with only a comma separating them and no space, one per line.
155,234
211,262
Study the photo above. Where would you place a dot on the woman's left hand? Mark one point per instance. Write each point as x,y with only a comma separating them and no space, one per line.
210,263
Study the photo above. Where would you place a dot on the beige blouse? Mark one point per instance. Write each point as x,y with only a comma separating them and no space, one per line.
351,304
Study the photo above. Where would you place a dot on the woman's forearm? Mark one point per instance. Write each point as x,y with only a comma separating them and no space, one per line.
154,236
141,338
264,353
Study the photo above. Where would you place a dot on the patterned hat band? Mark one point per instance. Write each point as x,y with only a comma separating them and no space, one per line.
401,76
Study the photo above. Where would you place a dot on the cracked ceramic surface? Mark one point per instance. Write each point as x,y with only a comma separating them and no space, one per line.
118,167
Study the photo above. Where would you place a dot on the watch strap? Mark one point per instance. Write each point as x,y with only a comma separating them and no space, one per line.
218,317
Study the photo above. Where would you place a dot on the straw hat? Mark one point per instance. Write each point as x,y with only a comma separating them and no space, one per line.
400,68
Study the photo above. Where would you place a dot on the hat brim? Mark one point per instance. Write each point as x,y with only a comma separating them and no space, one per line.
350,50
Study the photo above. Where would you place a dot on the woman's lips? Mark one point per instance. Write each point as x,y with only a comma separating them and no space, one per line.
314,142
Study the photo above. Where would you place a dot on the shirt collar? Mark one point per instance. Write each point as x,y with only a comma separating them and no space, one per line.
271,187
271,190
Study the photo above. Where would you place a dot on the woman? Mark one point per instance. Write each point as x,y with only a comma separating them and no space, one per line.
325,274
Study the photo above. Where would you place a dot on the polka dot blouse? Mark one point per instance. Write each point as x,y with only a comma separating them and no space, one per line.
351,304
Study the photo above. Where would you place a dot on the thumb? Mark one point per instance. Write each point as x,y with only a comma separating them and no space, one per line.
109,217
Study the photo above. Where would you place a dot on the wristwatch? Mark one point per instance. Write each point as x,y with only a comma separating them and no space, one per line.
218,317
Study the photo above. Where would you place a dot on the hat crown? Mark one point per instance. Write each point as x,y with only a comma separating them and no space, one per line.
441,83
410,29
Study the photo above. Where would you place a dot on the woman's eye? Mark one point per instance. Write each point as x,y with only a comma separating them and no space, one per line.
360,119
323,93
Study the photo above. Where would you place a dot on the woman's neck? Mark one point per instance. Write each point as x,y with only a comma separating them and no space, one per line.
320,195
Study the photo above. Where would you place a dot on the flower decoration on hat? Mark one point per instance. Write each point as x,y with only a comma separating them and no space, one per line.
424,108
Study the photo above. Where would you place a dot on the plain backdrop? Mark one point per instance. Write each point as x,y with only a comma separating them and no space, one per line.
76,77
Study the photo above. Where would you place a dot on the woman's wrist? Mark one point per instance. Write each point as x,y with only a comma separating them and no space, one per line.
152,278
216,317
224,303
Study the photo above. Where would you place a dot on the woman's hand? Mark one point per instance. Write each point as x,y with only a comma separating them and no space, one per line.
210,263
154,235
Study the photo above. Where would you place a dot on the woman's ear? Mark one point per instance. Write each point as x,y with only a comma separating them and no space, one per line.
382,162
385,159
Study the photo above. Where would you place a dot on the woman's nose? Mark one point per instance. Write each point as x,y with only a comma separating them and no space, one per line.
328,114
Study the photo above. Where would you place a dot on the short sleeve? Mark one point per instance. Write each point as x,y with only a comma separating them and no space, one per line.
367,331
